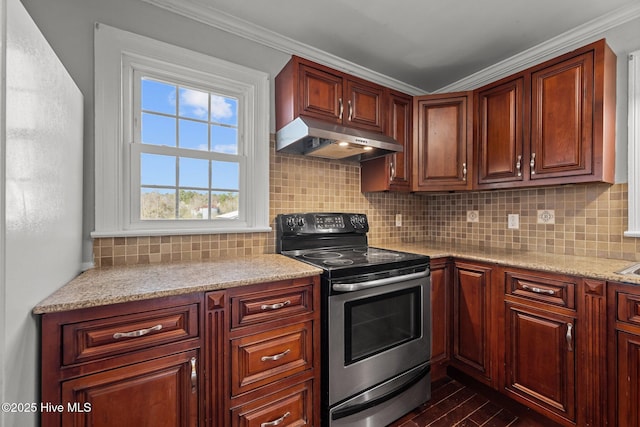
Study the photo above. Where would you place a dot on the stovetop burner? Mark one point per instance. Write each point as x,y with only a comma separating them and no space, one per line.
337,243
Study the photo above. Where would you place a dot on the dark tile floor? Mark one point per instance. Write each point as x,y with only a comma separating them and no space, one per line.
456,404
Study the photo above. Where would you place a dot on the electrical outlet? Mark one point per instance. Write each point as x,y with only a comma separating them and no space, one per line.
398,220
473,216
513,221
547,216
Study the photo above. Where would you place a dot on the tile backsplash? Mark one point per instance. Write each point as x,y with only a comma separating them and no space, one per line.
588,219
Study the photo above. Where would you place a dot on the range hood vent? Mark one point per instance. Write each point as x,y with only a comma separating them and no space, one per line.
312,137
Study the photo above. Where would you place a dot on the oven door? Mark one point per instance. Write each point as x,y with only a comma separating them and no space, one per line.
377,331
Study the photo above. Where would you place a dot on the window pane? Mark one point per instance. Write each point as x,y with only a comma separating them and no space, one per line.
193,135
157,204
194,104
224,110
224,139
194,172
194,204
157,170
225,175
158,130
159,97
224,204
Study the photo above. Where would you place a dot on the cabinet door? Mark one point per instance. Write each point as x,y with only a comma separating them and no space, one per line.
628,377
471,320
320,94
161,393
363,107
443,138
440,318
392,172
500,135
562,119
540,360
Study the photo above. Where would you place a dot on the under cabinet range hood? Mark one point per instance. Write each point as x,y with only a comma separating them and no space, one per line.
312,137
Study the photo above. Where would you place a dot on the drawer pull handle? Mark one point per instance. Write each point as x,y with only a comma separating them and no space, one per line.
194,375
350,111
137,333
275,306
464,171
538,290
519,165
275,356
569,336
276,422
341,108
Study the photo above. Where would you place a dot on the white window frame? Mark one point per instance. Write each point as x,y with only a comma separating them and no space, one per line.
634,145
117,55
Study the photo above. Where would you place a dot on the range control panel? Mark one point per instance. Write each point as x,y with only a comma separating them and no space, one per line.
321,223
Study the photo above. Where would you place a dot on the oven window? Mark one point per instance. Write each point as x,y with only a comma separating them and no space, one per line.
376,324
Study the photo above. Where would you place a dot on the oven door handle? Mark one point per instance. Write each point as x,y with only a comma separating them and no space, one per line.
376,400
351,287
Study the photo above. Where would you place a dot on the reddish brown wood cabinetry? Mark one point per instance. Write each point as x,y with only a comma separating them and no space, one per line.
304,88
499,140
472,347
440,317
274,354
624,354
121,364
550,124
245,356
442,150
392,172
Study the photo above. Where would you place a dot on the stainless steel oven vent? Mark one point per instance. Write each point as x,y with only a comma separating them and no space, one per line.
312,137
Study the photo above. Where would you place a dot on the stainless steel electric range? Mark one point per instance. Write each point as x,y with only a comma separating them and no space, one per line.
376,318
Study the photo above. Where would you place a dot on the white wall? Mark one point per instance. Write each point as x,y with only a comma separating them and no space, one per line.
42,145
69,28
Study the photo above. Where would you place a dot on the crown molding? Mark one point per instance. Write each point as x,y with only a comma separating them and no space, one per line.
565,42
245,29
553,47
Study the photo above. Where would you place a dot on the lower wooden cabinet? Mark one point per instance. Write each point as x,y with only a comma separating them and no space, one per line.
245,356
128,364
440,317
624,354
159,392
263,353
540,359
472,349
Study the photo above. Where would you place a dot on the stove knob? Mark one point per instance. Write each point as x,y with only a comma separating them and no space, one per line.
290,221
301,221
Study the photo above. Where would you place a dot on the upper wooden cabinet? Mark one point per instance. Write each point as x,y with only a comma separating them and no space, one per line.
304,88
392,172
442,142
551,124
499,143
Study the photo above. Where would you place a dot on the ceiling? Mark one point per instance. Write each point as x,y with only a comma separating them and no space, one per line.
427,44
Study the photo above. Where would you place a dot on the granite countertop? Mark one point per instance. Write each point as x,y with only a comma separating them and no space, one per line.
110,285
590,267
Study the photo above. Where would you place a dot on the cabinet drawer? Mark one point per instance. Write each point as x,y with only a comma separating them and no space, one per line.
268,356
290,407
272,305
540,288
628,308
84,341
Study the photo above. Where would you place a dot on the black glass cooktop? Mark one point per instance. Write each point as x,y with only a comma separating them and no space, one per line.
358,260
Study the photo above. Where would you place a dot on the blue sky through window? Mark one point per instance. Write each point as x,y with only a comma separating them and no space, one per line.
188,118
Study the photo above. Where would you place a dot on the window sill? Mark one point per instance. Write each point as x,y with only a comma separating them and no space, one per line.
173,232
